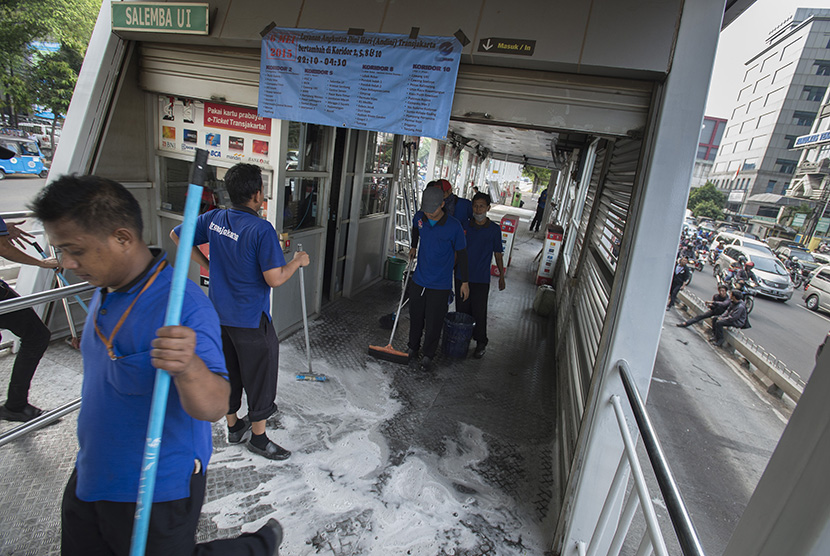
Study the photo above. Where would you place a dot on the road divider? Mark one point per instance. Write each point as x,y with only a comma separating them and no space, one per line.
766,363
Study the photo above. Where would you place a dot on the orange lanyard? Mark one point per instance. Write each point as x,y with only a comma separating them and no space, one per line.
108,341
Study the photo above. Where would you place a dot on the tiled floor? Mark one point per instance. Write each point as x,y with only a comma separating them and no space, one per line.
386,459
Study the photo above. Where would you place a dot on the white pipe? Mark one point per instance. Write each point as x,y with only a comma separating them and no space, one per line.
639,480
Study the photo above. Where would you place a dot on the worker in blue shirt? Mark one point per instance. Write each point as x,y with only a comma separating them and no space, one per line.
438,241
246,261
540,210
483,245
26,325
96,224
459,208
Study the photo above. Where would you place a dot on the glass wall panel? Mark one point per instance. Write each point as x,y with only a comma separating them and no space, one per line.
301,198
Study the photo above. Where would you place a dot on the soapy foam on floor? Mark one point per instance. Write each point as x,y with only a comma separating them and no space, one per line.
339,494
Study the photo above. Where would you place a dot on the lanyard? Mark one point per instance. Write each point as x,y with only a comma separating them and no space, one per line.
108,341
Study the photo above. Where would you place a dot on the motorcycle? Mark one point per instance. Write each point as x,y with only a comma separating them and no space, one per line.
798,274
700,261
713,256
746,288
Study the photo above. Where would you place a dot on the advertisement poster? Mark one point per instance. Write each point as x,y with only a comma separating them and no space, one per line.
229,133
374,81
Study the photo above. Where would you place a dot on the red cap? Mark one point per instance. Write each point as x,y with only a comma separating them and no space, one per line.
444,185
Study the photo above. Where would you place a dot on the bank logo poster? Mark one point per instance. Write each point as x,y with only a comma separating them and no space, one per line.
374,81
229,133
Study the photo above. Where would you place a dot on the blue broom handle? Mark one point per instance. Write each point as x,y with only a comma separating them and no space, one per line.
149,465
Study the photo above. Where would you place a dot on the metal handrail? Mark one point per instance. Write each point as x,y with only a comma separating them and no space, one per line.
681,521
25,302
31,300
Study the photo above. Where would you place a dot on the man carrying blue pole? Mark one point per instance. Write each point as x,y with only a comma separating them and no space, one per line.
96,225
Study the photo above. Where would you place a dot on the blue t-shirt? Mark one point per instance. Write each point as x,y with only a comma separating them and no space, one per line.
4,231
482,242
112,423
242,247
436,251
461,209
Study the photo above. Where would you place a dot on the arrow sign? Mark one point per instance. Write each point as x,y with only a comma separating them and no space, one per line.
516,47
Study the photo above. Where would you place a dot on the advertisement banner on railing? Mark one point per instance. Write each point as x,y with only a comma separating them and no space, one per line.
229,133
373,81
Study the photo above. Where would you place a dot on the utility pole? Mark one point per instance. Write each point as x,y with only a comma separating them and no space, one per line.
812,224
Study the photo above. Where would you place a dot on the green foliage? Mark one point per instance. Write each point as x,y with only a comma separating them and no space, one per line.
706,193
709,209
803,208
69,22
53,81
540,176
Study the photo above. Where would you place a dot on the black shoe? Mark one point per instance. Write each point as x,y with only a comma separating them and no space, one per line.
239,436
480,349
412,354
271,451
681,325
276,528
23,416
426,364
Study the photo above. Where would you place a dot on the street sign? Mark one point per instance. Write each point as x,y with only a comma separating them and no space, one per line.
823,224
160,17
798,220
496,45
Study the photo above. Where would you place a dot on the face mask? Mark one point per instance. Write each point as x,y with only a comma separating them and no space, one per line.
480,217
432,222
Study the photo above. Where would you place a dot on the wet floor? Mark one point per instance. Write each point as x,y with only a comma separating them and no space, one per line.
386,459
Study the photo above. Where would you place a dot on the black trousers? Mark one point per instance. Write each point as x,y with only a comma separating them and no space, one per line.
704,315
537,219
105,528
475,306
252,356
673,294
427,309
717,329
34,339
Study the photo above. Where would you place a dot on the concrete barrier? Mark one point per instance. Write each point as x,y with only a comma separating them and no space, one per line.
767,364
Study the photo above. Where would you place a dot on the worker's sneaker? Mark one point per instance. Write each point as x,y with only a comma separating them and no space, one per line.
481,347
237,436
426,364
23,416
271,451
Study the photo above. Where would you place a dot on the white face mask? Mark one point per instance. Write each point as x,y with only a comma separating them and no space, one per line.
480,217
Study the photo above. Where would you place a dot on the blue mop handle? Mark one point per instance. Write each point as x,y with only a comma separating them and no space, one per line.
149,465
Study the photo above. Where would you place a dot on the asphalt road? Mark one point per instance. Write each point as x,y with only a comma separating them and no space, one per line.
788,330
15,192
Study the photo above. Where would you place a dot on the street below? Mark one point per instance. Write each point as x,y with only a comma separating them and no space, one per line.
16,192
788,330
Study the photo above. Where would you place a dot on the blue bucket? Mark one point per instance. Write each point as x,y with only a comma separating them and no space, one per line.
458,331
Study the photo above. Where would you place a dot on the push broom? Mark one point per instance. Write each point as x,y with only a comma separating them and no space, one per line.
387,352
149,465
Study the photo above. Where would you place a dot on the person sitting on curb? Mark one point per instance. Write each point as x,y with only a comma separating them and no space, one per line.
718,305
735,316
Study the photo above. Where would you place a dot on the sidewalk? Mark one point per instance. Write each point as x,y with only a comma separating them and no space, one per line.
386,459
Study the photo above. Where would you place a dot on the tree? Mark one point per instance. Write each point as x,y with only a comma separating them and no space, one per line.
69,22
706,193
537,174
53,82
708,209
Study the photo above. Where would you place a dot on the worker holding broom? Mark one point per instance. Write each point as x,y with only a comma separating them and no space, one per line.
96,224
442,242
246,261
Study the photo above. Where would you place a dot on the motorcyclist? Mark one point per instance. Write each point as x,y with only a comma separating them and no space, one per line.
746,275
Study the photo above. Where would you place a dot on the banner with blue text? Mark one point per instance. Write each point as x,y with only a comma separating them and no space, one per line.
375,81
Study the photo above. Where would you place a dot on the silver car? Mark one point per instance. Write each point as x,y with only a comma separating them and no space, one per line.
773,279
817,292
